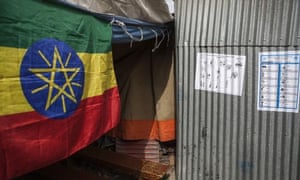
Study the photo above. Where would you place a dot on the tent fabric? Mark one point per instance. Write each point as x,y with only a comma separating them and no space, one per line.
143,64
150,11
146,83
126,27
129,30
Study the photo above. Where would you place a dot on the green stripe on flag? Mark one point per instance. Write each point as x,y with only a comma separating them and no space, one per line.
24,22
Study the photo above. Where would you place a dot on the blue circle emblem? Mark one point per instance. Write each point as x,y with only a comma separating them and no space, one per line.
52,78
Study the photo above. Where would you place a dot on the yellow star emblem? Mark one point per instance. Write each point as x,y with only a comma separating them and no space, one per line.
50,83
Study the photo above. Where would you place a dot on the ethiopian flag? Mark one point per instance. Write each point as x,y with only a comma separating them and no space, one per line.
58,91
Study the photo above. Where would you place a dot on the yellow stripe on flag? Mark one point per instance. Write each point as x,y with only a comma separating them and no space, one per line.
12,99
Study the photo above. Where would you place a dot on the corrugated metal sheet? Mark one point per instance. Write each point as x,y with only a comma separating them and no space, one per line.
238,22
225,137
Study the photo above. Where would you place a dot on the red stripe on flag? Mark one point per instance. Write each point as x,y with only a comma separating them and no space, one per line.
29,141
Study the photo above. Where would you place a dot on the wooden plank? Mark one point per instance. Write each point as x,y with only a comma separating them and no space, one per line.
124,163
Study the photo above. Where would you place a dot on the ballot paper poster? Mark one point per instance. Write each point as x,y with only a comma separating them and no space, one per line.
278,85
221,73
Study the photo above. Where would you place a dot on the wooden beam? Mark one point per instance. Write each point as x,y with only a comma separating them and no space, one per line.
124,163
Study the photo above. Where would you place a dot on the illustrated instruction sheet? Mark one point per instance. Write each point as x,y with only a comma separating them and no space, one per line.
220,73
278,85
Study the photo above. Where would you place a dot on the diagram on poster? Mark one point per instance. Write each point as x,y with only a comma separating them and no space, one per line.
220,73
279,81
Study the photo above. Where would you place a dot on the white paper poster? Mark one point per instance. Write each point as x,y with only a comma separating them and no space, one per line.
278,85
220,73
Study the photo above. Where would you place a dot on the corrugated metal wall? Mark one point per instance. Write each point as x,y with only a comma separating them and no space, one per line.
225,137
